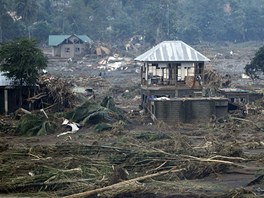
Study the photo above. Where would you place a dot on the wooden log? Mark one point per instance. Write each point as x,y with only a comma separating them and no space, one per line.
121,185
213,160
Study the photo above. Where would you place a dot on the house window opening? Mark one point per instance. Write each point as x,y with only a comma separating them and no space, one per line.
75,40
77,49
67,49
199,68
242,100
152,109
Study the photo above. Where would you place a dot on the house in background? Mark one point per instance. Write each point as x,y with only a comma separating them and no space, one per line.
69,46
171,84
238,99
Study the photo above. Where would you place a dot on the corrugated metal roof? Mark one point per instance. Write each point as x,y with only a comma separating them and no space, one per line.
55,40
168,51
4,81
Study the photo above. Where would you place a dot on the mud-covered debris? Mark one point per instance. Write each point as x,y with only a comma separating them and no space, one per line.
93,113
74,127
6,126
212,81
36,124
56,90
102,127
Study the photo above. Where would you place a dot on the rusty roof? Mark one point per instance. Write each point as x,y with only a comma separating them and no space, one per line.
172,51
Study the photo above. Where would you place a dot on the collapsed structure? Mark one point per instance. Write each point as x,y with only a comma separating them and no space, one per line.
240,96
171,84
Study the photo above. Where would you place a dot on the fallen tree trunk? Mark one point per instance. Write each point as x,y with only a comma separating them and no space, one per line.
39,186
213,160
125,186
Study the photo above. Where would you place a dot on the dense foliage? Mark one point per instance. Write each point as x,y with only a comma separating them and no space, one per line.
21,61
119,20
256,66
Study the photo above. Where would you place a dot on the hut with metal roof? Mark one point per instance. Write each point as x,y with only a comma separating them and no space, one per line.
171,63
171,83
4,84
10,95
69,46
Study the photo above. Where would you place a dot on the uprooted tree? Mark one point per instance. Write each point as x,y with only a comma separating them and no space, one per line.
256,66
21,60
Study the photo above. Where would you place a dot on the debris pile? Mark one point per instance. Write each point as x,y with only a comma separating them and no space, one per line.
36,124
7,126
212,81
215,81
137,162
115,62
109,153
122,167
102,115
58,92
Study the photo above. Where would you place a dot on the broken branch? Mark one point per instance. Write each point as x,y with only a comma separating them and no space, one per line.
212,160
121,185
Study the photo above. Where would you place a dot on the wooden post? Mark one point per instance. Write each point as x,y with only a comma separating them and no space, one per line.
6,100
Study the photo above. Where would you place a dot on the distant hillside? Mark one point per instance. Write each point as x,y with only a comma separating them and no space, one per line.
118,20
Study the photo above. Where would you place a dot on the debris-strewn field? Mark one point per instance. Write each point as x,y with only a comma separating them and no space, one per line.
116,151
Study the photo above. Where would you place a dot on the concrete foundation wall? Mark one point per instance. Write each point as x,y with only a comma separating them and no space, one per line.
242,97
188,111
172,93
168,111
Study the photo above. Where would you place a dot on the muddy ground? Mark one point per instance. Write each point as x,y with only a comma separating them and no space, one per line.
222,158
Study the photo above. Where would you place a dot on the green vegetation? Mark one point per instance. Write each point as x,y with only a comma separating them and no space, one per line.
119,20
256,65
102,127
151,136
36,125
21,60
104,116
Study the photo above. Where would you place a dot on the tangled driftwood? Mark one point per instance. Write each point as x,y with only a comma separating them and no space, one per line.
129,185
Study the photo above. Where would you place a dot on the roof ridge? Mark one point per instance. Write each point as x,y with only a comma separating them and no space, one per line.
174,50
57,39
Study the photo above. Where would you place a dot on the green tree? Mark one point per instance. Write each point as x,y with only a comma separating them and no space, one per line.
3,11
28,10
256,66
40,31
21,60
117,21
